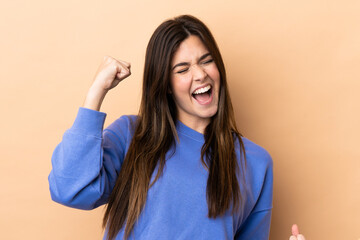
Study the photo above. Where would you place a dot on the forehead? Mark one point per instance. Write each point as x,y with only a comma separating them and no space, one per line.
191,49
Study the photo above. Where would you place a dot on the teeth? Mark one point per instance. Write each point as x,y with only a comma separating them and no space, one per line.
202,90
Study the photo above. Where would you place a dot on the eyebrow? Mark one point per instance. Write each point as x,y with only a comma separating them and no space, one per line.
187,64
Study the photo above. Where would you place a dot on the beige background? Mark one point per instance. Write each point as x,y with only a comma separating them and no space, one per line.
293,70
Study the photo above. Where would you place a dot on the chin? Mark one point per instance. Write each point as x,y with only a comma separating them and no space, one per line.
210,113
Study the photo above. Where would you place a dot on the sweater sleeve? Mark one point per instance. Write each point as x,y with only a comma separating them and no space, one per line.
257,224
86,163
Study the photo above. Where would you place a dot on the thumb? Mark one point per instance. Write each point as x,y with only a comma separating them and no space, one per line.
295,230
123,72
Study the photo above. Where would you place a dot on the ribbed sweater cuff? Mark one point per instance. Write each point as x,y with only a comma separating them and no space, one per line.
89,122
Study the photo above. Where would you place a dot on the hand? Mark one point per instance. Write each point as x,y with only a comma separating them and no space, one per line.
295,233
109,74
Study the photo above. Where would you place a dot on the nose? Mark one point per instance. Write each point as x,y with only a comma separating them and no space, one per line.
198,73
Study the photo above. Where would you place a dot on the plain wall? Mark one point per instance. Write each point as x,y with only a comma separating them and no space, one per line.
293,71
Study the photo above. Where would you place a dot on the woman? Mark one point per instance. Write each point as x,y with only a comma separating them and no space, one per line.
178,170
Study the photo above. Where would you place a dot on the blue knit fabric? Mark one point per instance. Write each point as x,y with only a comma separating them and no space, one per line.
86,163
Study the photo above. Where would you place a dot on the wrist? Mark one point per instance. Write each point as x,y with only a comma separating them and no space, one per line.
94,98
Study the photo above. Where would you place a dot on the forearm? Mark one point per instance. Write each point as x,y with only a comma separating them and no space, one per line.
94,98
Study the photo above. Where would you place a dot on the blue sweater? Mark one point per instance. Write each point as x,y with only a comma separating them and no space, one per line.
86,163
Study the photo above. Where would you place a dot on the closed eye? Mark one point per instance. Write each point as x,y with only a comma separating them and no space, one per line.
183,70
208,61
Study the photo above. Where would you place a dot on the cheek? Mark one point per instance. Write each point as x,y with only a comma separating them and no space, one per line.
215,75
180,85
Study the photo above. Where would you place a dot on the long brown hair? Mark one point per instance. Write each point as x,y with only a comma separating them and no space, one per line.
155,132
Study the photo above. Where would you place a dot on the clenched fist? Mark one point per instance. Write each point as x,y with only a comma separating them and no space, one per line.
109,74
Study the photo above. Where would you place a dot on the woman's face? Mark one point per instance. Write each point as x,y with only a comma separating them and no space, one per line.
195,83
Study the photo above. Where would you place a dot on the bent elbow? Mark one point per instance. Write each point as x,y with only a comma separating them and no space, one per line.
69,195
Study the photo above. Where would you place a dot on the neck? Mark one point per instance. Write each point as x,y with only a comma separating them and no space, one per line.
198,125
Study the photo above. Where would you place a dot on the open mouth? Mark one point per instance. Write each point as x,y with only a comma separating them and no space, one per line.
203,95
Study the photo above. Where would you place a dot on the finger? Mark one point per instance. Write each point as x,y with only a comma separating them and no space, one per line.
126,64
122,72
292,238
110,59
300,237
122,75
295,230
126,68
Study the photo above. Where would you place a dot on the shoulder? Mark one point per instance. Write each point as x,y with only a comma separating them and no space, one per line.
258,165
256,152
